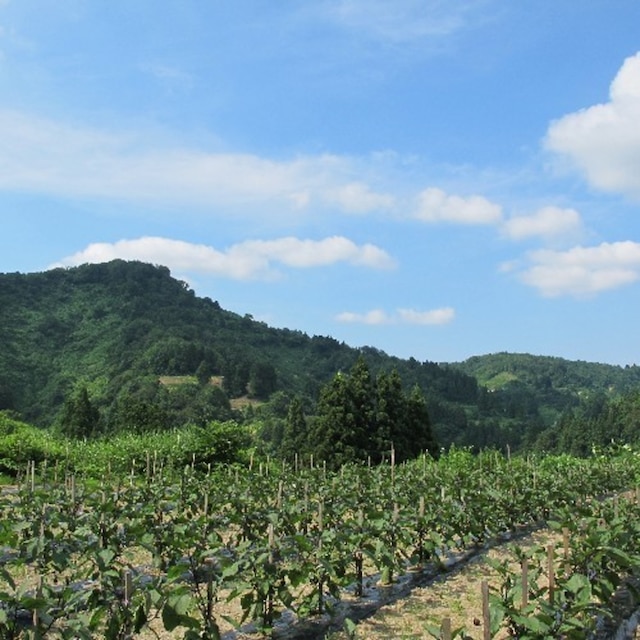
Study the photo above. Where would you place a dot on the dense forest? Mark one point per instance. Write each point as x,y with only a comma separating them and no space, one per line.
124,346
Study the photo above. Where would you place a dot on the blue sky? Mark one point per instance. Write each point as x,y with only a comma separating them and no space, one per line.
437,179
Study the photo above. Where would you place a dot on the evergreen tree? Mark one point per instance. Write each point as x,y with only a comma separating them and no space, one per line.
80,419
336,436
295,431
362,393
391,415
359,418
262,380
204,372
418,430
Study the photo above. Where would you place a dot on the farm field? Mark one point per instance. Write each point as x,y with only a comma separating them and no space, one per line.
295,552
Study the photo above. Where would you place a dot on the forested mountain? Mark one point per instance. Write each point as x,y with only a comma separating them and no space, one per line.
105,339
119,329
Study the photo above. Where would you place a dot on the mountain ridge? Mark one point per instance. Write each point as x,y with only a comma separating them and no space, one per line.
116,327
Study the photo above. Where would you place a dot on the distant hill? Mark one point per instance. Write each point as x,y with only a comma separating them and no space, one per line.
120,328
540,373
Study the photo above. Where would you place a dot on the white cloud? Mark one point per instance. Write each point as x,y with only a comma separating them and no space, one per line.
45,156
583,271
357,197
401,316
373,317
603,141
548,223
254,259
435,316
404,21
437,206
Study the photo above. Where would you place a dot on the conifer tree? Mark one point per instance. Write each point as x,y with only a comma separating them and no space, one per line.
295,431
80,419
418,425
391,414
341,432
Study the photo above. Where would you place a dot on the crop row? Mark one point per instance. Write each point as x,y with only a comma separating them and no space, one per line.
84,559
579,587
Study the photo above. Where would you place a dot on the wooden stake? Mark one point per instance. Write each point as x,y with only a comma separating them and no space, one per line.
525,583
393,465
36,616
209,562
128,588
271,536
445,629
551,572
565,547
486,613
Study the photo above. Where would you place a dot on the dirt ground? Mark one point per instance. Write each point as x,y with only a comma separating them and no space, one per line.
456,595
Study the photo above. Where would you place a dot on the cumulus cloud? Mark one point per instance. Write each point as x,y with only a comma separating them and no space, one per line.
253,259
583,271
436,205
401,316
50,157
548,223
603,141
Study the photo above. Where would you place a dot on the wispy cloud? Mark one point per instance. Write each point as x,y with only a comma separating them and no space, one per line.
441,316
50,157
548,223
582,271
435,205
357,197
603,141
404,21
253,259
170,76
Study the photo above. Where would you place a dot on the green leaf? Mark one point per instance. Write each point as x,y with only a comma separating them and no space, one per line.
350,627
172,619
534,624
140,619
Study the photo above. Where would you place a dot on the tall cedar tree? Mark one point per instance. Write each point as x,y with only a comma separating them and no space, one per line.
359,418
418,426
295,431
80,419
391,414
337,436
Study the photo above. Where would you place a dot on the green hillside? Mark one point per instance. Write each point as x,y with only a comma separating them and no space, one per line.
137,347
